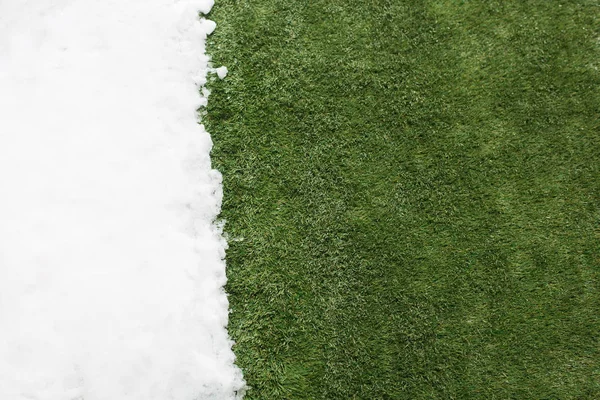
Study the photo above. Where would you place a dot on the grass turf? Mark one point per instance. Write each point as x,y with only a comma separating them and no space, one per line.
412,196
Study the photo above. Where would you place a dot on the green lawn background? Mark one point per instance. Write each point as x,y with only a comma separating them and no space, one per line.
412,196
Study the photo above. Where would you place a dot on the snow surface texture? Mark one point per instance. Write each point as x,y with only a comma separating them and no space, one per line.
111,270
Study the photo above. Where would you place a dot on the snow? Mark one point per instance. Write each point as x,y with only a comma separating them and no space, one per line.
111,268
221,72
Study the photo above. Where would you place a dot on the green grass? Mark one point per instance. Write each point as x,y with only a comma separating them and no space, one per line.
412,195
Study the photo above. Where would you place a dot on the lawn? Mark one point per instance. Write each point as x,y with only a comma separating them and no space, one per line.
412,196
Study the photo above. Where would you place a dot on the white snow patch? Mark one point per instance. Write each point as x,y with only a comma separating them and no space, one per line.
221,72
209,26
111,270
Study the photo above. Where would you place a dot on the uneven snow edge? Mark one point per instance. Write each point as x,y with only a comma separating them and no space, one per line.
111,264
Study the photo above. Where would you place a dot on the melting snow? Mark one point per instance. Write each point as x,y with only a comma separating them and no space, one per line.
111,268
221,72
